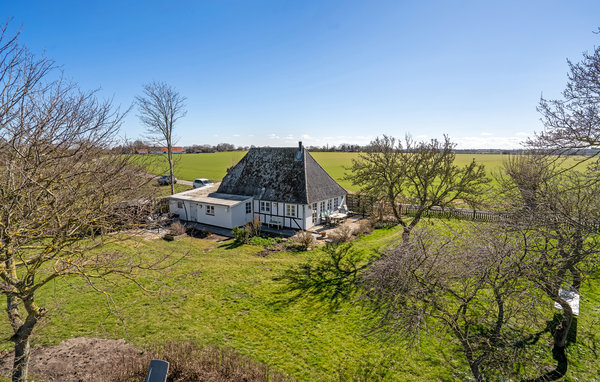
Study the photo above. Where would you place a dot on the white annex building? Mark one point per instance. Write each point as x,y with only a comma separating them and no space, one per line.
281,187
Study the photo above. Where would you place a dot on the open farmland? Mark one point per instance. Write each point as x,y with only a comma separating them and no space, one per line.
214,165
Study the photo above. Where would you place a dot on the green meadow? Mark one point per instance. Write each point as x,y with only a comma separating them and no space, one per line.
214,165
226,295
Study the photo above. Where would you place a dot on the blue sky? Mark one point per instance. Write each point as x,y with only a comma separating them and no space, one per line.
324,72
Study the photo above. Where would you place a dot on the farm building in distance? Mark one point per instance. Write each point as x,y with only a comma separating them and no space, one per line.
280,187
164,150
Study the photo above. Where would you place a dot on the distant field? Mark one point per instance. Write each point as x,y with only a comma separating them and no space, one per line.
214,165
191,166
335,163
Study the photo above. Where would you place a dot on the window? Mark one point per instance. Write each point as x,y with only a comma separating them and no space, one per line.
265,206
290,210
210,210
314,213
179,204
322,205
336,203
329,205
248,207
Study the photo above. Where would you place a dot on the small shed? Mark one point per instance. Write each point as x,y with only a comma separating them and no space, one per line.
203,206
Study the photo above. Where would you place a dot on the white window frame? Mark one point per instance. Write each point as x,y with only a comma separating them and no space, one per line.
265,206
322,206
315,215
210,210
290,210
336,203
329,204
248,207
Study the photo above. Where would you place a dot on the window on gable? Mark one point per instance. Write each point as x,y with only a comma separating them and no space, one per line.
248,207
290,210
210,210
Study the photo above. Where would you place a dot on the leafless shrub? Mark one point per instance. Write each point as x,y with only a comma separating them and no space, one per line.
254,227
189,362
365,227
304,239
341,234
177,229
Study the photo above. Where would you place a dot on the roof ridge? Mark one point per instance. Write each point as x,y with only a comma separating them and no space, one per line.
304,151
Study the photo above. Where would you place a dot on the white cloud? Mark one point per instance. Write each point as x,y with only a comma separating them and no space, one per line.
485,134
489,142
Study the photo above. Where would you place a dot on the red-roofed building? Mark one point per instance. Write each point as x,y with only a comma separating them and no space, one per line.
164,150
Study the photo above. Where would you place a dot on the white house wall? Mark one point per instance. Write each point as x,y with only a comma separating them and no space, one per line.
221,217
233,216
276,216
239,217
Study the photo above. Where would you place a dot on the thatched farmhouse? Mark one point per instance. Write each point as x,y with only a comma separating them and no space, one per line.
281,187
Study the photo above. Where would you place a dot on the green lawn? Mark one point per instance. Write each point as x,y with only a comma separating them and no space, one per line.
226,295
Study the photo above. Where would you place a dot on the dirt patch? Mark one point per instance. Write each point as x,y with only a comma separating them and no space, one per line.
146,234
75,360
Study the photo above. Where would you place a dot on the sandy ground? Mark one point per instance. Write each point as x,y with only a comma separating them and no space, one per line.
74,360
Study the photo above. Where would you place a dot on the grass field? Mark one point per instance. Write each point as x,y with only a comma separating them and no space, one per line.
226,295
214,165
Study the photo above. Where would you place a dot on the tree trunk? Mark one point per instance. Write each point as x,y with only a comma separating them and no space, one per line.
559,354
21,339
479,377
170,158
21,362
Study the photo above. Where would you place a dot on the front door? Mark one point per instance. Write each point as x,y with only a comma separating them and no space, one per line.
193,212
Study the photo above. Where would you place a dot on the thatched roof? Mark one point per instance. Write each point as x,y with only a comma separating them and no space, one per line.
283,174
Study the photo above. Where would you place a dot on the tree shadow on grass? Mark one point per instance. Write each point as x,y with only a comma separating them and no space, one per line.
230,245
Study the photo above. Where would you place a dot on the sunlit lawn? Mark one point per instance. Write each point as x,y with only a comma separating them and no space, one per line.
226,295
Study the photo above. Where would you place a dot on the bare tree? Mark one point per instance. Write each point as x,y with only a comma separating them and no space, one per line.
557,213
573,122
160,107
465,284
420,173
61,189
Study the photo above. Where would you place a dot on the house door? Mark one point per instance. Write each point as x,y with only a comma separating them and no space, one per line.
193,212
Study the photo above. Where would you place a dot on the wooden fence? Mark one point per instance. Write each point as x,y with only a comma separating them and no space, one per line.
365,205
